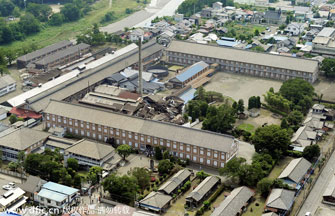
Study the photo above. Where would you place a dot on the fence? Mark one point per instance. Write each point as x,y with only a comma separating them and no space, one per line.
12,173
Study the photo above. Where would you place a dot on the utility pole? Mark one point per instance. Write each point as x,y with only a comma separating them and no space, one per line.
140,88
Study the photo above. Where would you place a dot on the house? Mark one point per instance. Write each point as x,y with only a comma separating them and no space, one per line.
304,136
176,182
21,139
323,43
206,12
32,185
91,153
3,113
295,28
12,200
53,195
7,84
235,203
328,196
217,6
273,17
57,131
136,34
287,43
202,191
155,201
295,172
280,201
178,17
318,109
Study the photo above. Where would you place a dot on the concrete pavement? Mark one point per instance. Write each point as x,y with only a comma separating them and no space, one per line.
314,199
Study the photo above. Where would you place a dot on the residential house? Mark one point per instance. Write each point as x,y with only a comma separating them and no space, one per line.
288,43
155,201
295,172
177,181
328,196
12,200
295,28
273,17
280,201
202,191
304,136
217,6
21,139
207,12
7,85
32,186
318,109
53,195
178,17
235,203
136,34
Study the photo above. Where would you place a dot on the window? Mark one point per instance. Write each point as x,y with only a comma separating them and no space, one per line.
105,130
201,151
155,141
76,131
70,121
59,119
130,135
188,156
215,163
136,145
208,153
93,126
99,128
208,161
222,164
88,126
215,155
161,142
201,160
123,133
93,135
188,148
130,143
181,147
64,120
194,150
181,155
148,139
168,143
111,131
82,133
53,118
48,117
194,158
99,137
142,138
82,124
136,137
123,141
76,123
174,145
70,130
88,133
222,156
117,132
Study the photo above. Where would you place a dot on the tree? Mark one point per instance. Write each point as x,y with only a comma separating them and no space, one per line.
294,119
284,124
71,12
77,181
12,119
328,67
256,32
222,122
202,175
73,164
264,186
6,8
32,164
56,19
165,166
95,174
311,152
121,188
232,168
40,11
11,55
142,175
158,153
124,151
13,166
29,24
272,140
240,106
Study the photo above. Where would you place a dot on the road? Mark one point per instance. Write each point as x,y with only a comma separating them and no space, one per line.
314,199
143,18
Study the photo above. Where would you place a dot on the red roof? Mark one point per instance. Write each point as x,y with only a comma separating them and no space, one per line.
22,113
129,95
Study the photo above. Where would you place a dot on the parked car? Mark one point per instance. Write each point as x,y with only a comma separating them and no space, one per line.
12,184
6,187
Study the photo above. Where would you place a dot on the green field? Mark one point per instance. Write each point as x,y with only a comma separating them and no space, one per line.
52,34
247,127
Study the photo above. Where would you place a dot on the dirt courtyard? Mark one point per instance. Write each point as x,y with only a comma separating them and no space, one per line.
240,86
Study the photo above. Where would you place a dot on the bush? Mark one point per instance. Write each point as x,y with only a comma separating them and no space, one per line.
216,194
206,205
293,153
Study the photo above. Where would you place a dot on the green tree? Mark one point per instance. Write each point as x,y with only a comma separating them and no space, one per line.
12,119
222,122
311,152
40,11
56,19
240,106
6,8
77,181
13,166
165,166
73,164
256,33
95,174
232,168
272,140
202,175
121,188
29,24
158,153
294,119
142,175
328,67
124,151
264,186
11,55
71,12
284,124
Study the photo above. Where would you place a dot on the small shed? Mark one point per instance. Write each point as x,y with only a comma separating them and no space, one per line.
254,112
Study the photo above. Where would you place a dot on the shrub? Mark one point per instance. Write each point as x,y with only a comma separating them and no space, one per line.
293,153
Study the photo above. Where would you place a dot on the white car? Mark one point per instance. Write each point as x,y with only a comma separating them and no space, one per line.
12,184
308,214
6,187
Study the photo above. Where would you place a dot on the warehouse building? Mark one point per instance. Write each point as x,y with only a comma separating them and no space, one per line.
199,146
63,57
7,85
24,60
243,62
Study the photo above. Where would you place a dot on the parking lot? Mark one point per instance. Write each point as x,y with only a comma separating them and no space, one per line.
4,180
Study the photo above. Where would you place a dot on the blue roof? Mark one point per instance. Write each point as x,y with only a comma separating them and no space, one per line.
226,43
52,195
60,188
191,71
9,214
188,95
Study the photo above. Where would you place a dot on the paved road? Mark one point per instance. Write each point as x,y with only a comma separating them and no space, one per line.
315,196
143,18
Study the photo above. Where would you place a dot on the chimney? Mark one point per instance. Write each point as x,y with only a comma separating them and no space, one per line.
140,88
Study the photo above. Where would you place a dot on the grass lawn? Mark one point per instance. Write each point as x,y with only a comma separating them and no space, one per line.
244,29
247,127
253,209
279,167
175,68
53,34
83,174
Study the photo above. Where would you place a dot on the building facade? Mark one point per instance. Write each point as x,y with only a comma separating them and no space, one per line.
243,62
7,85
198,146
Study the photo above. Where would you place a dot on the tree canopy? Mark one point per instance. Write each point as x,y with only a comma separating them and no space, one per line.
328,66
142,176
165,166
124,151
271,139
311,152
222,121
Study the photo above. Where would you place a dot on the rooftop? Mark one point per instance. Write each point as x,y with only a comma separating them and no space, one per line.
201,138
296,169
280,199
330,190
175,181
245,56
44,50
156,199
202,189
6,81
326,32
191,71
15,193
52,186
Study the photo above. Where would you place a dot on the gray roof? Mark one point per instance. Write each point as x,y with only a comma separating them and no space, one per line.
296,169
3,111
78,83
32,184
22,138
175,181
280,199
330,190
202,189
274,15
156,199
326,32
91,149
201,138
62,53
57,142
250,57
44,50
234,202
6,81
